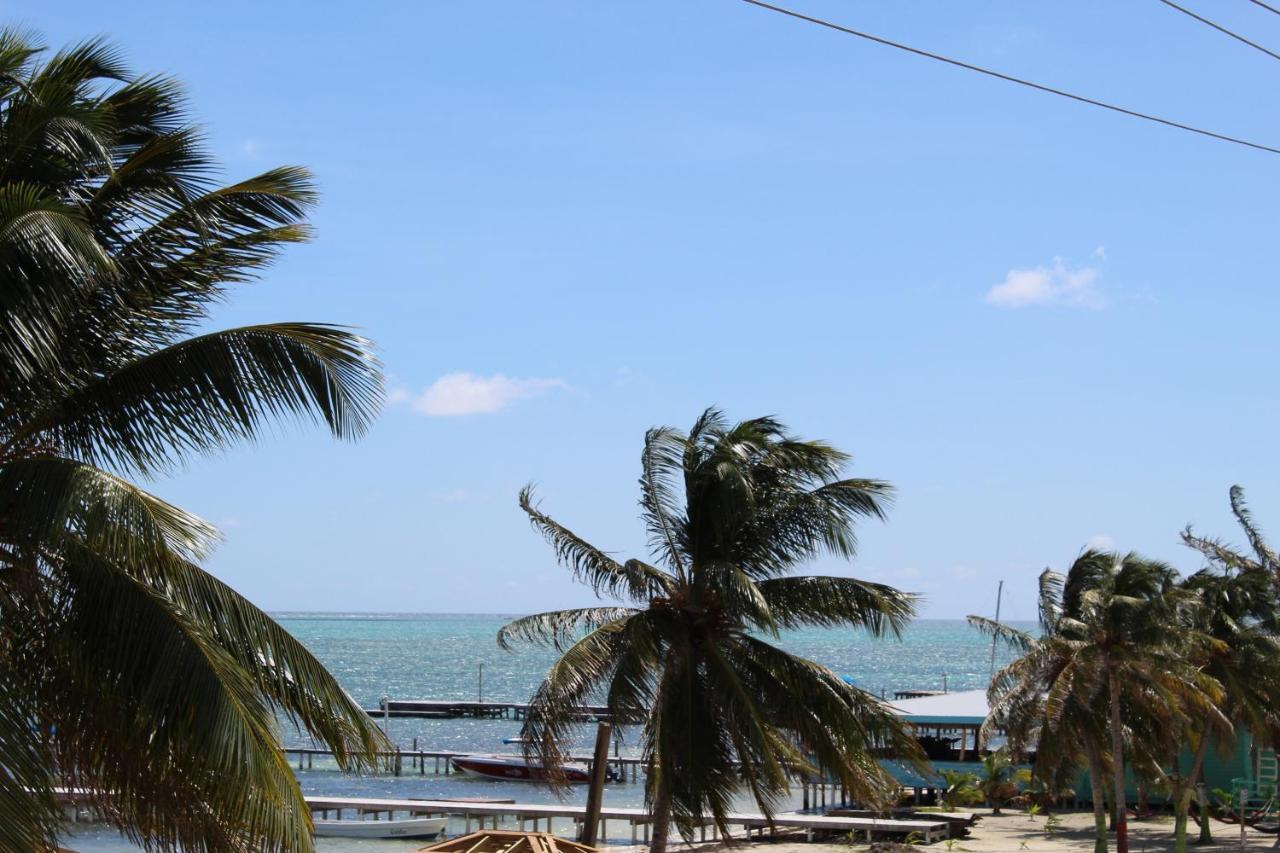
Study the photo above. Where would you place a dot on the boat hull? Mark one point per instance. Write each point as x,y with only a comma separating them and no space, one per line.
514,769
418,827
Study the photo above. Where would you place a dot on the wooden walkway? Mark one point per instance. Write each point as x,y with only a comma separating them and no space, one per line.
637,819
450,709
404,761
814,794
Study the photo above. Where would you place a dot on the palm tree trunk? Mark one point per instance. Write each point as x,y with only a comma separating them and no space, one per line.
661,815
1099,799
1117,768
1202,797
1182,802
1180,790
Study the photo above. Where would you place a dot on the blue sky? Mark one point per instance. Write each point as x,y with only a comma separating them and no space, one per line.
564,222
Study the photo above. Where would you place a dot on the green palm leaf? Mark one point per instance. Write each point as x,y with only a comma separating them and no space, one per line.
126,670
832,602
209,391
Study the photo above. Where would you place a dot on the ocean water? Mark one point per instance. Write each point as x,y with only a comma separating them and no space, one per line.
455,656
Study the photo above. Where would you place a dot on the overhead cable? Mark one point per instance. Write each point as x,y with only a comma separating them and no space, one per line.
1221,29
1221,137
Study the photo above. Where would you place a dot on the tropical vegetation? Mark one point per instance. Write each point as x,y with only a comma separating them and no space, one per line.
127,672
1137,670
1000,778
1111,679
1241,612
731,510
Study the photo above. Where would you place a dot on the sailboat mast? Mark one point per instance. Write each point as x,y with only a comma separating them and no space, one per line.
999,595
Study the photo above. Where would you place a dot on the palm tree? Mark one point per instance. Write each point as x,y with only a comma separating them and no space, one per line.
126,671
1065,735
1000,778
960,789
730,511
1118,655
1241,612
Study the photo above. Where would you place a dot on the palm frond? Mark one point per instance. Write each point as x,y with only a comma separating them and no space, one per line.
1256,540
558,628
283,671
1049,600
202,394
661,472
833,601
846,729
740,598
174,704
28,811
606,576
1013,637
581,672
46,498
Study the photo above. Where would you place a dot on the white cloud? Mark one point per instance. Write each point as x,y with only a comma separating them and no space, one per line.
467,394
1055,285
397,394
1100,542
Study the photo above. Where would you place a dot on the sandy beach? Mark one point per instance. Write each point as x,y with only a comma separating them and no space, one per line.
1014,831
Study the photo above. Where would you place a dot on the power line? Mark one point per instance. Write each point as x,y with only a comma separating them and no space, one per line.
1221,29
1272,9
1011,79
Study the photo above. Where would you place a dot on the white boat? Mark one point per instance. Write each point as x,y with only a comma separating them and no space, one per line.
414,827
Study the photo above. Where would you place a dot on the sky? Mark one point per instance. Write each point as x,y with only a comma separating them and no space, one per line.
1049,326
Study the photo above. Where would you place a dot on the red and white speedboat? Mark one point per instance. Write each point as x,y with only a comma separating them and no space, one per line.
515,768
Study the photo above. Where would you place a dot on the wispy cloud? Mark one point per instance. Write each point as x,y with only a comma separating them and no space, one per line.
465,393
1052,285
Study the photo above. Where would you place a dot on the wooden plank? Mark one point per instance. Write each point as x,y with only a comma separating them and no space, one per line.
746,819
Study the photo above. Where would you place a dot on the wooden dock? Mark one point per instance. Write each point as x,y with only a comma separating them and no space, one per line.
814,793
452,709
402,761
519,815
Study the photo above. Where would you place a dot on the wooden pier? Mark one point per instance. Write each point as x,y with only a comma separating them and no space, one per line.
477,815
815,793
402,761
452,709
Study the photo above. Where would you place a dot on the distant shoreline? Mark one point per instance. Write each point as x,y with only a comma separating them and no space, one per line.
390,616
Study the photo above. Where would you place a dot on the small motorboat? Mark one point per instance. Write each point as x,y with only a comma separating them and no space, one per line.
413,827
516,768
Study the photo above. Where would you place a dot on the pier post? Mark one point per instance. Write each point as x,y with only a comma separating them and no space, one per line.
595,794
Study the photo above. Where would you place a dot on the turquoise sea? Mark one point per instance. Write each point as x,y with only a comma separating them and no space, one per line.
455,656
